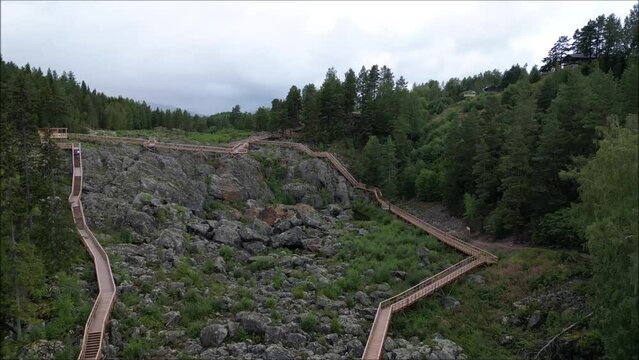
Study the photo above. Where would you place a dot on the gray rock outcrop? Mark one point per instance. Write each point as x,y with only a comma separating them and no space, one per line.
213,335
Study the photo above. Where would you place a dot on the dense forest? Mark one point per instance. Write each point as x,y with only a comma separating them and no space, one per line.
547,155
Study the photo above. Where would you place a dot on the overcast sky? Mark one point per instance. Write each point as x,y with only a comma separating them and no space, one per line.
208,56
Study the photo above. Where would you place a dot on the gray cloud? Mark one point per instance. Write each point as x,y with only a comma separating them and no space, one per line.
208,56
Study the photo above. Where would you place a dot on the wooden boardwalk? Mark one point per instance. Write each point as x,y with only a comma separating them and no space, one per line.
96,324
386,308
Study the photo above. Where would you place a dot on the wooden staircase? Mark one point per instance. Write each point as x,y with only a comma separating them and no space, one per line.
92,345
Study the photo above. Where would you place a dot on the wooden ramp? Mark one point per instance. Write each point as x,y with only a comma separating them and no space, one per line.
94,330
385,310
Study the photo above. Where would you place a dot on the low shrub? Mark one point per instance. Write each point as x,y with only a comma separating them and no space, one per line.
309,323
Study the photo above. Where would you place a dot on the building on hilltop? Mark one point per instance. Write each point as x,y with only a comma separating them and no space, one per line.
576,59
493,89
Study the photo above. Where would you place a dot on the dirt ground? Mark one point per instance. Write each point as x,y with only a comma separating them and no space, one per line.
436,214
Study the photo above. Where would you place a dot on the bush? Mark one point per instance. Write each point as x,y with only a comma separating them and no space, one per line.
309,322
278,280
472,211
298,292
270,303
496,223
227,253
134,349
245,304
559,229
152,317
209,266
336,327
196,307
261,263
162,215
427,185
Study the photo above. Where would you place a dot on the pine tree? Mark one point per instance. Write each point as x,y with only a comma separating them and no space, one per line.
515,172
571,106
629,92
556,54
403,145
311,111
486,159
551,156
609,194
630,31
349,89
547,93
458,160
388,169
604,100
293,107
331,101
371,164
262,119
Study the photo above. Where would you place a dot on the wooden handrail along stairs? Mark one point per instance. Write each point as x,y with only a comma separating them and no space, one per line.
96,324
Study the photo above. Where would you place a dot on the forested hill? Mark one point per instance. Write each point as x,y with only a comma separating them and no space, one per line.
435,141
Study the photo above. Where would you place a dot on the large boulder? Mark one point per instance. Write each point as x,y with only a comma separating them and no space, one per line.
203,229
225,187
252,322
535,319
248,234
303,193
446,350
227,233
449,302
277,352
213,335
350,325
171,239
291,238
475,279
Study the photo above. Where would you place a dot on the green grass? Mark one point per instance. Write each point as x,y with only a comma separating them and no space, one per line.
390,245
152,317
245,303
227,253
135,349
220,136
309,323
196,306
124,236
278,280
260,263
476,324
270,303
298,291
336,327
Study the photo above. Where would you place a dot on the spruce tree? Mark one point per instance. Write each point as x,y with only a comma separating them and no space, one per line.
388,169
609,196
293,107
371,164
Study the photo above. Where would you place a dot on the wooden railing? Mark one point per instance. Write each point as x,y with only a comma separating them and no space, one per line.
95,327
154,144
386,308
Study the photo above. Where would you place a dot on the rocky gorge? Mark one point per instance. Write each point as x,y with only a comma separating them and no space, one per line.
234,257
